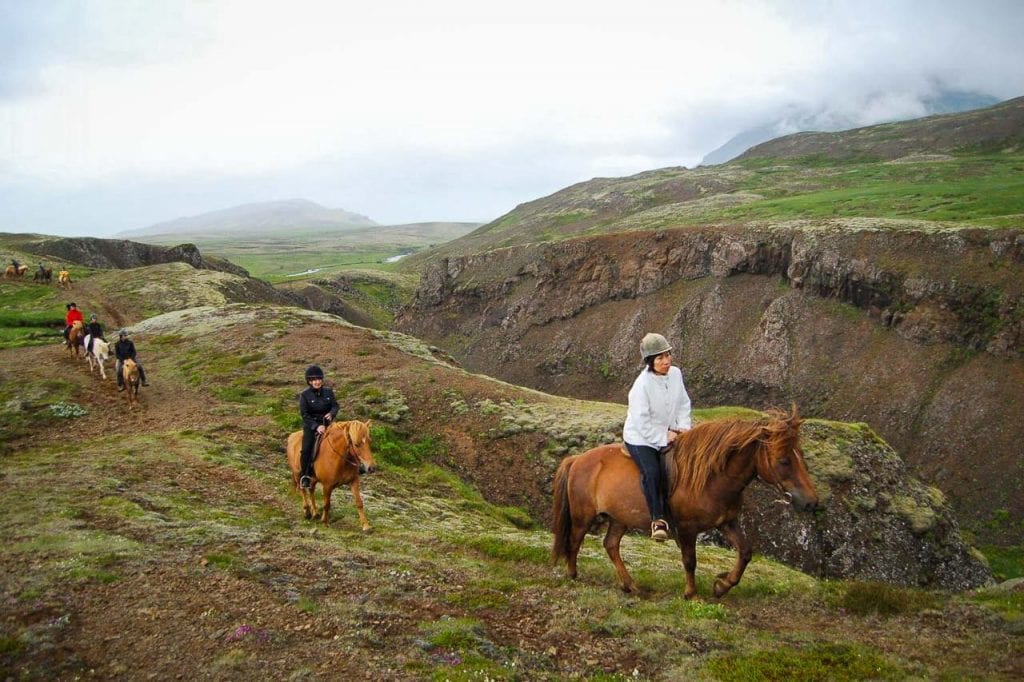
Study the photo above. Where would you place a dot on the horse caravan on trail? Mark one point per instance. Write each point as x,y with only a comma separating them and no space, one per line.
706,473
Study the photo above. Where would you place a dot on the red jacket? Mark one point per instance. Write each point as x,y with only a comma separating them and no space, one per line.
74,315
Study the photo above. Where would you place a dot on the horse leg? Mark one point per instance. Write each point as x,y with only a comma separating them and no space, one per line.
578,533
726,581
688,547
611,545
358,498
326,517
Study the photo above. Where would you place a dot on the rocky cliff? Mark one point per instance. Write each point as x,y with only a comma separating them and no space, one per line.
122,253
918,332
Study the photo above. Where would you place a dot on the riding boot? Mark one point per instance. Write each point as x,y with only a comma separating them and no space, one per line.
120,377
142,374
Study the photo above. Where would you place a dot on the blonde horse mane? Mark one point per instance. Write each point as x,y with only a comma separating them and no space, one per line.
703,451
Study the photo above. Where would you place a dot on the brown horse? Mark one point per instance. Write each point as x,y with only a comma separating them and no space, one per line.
76,338
130,375
706,474
45,275
15,272
343,455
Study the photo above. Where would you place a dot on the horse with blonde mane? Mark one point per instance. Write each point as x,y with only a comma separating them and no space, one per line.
706,474
132,380
15,272
76,338
342,455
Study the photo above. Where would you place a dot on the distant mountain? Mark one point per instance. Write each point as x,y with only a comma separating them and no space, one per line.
946,103
293,215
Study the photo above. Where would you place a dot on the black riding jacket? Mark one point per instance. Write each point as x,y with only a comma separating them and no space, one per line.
313,405
95,330
124,350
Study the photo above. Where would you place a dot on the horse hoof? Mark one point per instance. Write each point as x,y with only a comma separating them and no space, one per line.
367,530
308,515
721,587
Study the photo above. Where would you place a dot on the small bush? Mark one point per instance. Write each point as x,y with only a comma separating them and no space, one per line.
68,410
865,598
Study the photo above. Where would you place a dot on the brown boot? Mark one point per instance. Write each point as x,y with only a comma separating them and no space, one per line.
659,531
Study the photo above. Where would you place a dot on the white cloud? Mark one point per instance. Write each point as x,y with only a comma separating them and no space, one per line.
310,93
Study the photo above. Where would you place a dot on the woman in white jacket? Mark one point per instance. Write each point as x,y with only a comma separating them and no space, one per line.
659,410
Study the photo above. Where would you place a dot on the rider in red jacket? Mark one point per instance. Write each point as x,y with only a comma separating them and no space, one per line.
74,315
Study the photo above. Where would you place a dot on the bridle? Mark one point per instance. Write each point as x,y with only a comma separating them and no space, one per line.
777,484
349,457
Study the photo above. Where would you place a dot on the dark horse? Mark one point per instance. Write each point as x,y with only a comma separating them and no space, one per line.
44,275
706,474
344,453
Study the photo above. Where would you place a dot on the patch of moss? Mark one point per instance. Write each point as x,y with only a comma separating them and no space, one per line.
919,515
865,598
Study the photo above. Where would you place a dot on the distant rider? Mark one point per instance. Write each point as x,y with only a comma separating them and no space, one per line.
124,349
318,407
74,315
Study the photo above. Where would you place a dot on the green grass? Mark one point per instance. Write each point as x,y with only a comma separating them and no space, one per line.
817,661
1006,562
966,189
30,315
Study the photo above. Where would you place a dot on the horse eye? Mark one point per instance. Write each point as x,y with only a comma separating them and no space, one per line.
784,461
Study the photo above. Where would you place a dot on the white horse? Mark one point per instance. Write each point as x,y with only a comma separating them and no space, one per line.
98,355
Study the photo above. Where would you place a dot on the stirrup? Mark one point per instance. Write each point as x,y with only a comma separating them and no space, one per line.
305,483
659,531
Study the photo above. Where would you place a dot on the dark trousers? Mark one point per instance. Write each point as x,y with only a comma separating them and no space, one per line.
652,480
306,462
120,377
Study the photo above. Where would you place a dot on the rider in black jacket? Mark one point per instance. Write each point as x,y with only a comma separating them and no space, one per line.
124,349
94,330
318,407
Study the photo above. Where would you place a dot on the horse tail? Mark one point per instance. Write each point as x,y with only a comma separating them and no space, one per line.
561,517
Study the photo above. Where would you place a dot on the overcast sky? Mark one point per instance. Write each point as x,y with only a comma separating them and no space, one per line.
117,115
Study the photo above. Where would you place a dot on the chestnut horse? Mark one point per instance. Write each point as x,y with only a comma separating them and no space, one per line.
76,338
706,474
130,375
15,272
344,453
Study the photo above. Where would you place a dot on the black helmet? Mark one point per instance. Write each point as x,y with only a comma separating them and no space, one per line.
314,372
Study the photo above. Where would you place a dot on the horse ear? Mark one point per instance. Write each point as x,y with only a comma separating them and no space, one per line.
368,422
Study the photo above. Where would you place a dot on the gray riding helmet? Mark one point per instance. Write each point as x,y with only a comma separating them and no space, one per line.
653,344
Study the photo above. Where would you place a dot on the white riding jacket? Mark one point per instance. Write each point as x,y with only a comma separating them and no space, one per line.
656,404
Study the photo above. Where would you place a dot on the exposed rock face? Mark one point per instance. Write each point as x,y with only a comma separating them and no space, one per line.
920,334
878,522
123,254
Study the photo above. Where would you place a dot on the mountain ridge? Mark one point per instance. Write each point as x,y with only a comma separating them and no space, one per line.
257,217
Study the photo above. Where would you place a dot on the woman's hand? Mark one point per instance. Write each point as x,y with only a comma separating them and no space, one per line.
320,429
672,435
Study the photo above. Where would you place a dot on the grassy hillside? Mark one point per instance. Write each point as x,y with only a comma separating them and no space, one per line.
959,168
173,536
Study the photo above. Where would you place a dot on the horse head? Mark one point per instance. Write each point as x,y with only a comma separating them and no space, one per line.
780,460
359,440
